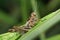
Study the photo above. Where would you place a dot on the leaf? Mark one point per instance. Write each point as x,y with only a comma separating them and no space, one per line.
56,37
9,36
43,25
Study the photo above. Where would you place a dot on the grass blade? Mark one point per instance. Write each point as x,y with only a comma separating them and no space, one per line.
42,25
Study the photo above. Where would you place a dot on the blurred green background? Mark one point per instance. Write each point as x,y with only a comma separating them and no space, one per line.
17,12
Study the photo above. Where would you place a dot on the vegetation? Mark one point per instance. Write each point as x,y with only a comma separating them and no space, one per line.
16,12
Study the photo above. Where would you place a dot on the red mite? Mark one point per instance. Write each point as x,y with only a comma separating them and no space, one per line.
29,24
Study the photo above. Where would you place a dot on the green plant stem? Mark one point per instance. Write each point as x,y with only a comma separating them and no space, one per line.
24,10
9,36
56,37
42,36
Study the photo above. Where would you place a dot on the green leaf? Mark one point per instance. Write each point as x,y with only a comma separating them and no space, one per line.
43,25
56,37
9,36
